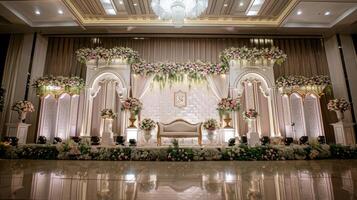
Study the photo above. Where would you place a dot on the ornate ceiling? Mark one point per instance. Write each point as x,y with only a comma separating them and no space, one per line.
219,12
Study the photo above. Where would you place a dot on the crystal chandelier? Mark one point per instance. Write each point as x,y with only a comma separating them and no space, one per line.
178,10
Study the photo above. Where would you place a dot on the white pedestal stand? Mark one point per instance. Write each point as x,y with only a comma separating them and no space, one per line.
18,130
107,137
253,136
344,133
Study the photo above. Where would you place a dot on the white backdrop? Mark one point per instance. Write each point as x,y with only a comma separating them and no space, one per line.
159,103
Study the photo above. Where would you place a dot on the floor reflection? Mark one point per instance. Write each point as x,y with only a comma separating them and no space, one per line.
328,179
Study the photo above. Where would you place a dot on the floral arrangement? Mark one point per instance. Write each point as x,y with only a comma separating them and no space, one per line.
298,81
228,105
84,151
211,124
341,105
108,114
176,72
124,53
107,55
253,54
23,107
147,124
57,85
250,114
303,85
2,99
98,53
133,105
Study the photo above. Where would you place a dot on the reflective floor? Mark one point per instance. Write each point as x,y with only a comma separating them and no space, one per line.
327,179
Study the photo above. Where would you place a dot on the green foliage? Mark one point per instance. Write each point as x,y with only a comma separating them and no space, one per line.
83,151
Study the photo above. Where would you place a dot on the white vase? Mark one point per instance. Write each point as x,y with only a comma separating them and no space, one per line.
147,135
210,135
22,116
340,115
107,136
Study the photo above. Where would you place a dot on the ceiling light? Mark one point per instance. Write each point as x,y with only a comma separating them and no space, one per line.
225,5
254,7
327,13
178,10
108,7
121,2
241,4
299,12
135,4
60,12
37,12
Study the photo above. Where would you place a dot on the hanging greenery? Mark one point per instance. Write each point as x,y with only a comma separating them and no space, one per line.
194,72
58,85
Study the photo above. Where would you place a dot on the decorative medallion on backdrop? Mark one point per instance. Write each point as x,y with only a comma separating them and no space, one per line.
180,99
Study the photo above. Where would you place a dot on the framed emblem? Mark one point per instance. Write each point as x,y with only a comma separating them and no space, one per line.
180,99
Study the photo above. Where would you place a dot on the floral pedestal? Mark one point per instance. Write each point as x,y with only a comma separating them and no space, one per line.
107,136
253,136
344,133
18,130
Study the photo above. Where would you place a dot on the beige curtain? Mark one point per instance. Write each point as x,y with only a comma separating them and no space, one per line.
140,84
11,69
219,85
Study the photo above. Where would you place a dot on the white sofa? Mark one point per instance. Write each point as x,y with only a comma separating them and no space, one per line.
179,129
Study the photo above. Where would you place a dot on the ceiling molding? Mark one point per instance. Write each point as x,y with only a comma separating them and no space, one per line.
147,20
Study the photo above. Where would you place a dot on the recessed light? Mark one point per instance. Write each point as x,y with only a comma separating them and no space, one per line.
37,12
327,13
135,4
225,5
60,12
241,4
299,12
121,2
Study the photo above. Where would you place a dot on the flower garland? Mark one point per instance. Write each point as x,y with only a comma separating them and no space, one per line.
298,81
58,85
133,105
341,105
303,85
108,114
211,124
107,55
147,124
253,54
23,106
228,105
250,114
176,72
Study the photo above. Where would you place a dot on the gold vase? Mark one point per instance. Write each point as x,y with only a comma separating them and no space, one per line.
132,120
227,119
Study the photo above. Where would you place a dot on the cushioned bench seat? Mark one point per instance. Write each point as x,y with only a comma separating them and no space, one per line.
179,129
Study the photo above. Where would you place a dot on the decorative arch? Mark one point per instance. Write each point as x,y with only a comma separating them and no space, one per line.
105,89
251,75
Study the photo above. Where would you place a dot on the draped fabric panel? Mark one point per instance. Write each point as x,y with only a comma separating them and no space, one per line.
306,56
11,69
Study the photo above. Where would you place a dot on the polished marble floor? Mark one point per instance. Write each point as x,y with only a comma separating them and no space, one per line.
326,179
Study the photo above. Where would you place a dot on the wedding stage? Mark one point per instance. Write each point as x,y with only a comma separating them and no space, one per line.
125,98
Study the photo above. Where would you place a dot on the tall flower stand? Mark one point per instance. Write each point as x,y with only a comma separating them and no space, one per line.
253,136
107,136
344,133
18,130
